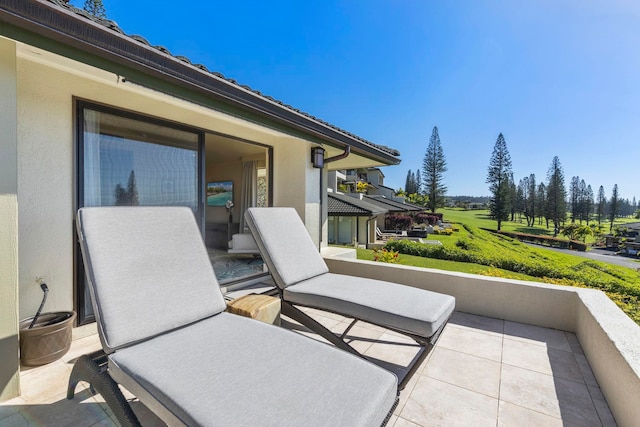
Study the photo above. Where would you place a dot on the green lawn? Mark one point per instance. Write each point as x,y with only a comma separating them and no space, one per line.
476,251
481,219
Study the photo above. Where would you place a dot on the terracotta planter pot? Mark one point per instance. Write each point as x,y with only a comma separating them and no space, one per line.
48,340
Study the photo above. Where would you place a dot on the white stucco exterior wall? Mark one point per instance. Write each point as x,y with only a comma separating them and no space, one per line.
45,187
46,172
297,183
9,348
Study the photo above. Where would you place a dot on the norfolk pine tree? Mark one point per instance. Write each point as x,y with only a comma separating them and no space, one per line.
433,168
613,205
498,180
601,204
541,203
531,203
96,8
410,183
556,195
588,203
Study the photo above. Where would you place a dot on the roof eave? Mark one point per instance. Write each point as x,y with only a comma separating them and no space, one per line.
65,27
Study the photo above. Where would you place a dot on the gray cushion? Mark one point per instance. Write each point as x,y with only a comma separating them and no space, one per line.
285,245
155,279
387,304
297,266
232,371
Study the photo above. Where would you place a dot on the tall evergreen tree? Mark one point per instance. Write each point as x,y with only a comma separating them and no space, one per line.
556,195
601,204
498,180
588,203
515,198
523,197
418,182
433,168
541,203
128,196
613,205
132,189
574,197
96,8
531,203
410,183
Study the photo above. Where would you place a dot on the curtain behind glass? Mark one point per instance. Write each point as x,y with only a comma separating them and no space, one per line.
249,194
91,158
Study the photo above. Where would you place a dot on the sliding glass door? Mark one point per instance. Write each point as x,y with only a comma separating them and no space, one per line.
125,159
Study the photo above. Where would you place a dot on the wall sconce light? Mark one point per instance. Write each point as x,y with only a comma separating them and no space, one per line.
317,157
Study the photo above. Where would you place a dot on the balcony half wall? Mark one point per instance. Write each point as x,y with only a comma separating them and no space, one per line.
609,338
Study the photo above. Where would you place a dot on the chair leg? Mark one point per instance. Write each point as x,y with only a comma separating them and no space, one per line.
298,315
87,369
425,344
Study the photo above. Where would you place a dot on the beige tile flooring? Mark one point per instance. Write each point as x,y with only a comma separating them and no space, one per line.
483,371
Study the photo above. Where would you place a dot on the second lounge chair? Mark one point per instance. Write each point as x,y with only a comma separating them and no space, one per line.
303,279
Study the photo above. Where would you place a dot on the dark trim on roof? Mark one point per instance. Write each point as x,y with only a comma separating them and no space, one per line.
343,205
393,205
71,27
389,188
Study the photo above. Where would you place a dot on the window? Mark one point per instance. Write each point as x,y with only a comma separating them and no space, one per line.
126,159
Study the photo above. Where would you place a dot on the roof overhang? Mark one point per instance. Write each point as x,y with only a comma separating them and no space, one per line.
69,32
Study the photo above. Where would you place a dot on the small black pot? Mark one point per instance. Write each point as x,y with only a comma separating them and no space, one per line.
48,340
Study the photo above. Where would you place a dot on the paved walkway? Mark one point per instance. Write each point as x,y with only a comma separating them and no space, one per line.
597,255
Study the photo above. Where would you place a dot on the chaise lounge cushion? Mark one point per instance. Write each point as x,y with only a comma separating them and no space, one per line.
396,306
285,245
299,270
248,377
145,280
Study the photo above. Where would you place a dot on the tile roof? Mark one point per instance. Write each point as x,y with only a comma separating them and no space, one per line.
392,205
113,26
343,205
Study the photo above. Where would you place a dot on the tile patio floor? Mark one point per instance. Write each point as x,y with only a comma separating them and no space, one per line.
483,372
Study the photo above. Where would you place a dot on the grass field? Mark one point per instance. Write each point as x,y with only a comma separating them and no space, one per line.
475,251
480,219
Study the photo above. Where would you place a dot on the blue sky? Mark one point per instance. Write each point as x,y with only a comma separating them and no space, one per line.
557,78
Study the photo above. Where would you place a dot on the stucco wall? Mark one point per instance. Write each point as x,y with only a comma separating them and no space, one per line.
537,304
46,87
611,343
9,381
609,338
297,183
45,184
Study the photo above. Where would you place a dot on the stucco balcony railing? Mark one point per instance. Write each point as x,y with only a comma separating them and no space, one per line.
609,339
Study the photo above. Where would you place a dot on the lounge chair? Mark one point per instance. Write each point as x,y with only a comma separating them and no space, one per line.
385,236
303,279
167,339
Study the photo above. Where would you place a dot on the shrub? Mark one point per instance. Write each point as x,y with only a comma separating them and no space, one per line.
425,218
384,255
465,244
397,222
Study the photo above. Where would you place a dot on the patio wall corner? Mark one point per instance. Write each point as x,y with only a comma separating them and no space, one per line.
611,343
